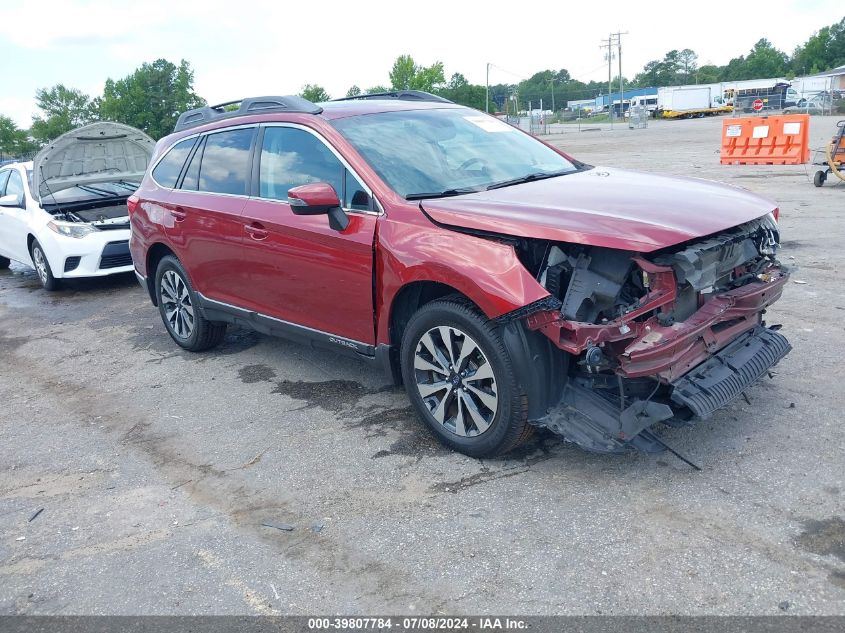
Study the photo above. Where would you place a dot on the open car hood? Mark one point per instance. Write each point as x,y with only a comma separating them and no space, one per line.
613,208
95,153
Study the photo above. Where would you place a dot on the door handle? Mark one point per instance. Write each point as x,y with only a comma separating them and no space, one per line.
178,214
256,231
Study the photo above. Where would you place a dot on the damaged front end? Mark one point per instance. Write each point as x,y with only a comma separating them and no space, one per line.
669,336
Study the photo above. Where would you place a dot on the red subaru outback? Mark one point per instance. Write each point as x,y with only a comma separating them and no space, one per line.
506,284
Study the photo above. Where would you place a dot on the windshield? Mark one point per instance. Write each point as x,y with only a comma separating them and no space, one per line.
426,153
85,193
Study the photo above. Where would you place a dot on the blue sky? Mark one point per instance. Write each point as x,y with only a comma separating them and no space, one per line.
258,47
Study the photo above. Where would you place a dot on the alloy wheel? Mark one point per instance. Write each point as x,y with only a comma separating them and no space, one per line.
456,381
176,301
40,264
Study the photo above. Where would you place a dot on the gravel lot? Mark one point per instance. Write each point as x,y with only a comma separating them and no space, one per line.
156,468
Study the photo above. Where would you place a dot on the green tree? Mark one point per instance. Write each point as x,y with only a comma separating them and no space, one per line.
824,50
459,90
376,89
354,91
314,93
688,62
764,61
152,97
708,74
407,75
63,109
13,140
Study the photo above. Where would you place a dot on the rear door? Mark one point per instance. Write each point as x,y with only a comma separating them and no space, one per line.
296,268
206,207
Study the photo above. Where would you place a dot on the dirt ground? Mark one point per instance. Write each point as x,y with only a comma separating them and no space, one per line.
156,468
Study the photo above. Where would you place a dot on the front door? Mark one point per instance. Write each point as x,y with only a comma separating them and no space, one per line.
296,268
14,221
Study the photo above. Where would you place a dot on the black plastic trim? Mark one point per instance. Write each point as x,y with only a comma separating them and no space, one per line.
219,311
249,106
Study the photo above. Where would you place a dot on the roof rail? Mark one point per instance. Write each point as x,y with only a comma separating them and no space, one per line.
404,95
251,105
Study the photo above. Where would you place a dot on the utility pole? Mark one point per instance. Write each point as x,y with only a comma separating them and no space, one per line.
609,56
487,92
618,36
552,82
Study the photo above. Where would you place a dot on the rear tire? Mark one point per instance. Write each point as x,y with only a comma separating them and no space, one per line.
819,178
180,311
42,267
460,380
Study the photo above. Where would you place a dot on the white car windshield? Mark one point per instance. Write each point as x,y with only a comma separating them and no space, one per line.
441,152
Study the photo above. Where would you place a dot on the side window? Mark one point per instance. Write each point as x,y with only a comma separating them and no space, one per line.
4,176
225,162
291,157
167,171
192,173
15,184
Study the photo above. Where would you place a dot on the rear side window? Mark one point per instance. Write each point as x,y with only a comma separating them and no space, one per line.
225,162
191,179
166,173
4,176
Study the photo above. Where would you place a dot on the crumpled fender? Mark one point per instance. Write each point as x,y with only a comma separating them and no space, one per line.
487,271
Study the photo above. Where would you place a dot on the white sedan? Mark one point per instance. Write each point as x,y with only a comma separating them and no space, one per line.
65,213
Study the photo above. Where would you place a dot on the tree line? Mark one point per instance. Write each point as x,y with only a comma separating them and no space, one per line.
152,97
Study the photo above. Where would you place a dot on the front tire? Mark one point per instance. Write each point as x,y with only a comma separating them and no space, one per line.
819,178
179,309
460,380
42,267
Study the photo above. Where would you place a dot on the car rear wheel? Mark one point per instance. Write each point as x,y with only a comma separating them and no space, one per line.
178,306
42,267
460,380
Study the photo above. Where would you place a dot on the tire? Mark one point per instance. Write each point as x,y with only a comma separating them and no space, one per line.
819,178
42,268
178,307
480,417
5,262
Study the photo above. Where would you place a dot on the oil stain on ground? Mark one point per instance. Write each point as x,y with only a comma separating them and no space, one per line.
825,537
331,395
256,373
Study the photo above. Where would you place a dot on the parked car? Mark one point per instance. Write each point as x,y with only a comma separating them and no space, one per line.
507,285
65,212
816,105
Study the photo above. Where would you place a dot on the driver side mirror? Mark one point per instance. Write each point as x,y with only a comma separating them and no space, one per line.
13,200
318,198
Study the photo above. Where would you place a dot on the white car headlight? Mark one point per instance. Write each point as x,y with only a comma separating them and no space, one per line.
69,229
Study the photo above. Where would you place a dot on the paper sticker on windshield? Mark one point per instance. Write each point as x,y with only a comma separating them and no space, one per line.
489,124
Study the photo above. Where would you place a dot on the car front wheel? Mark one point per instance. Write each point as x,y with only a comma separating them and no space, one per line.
460,380
42,267
177,304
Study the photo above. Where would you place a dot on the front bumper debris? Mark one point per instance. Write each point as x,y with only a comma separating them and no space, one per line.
599,424
717,381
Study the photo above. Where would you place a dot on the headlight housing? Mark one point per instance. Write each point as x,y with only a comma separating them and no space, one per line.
69,229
